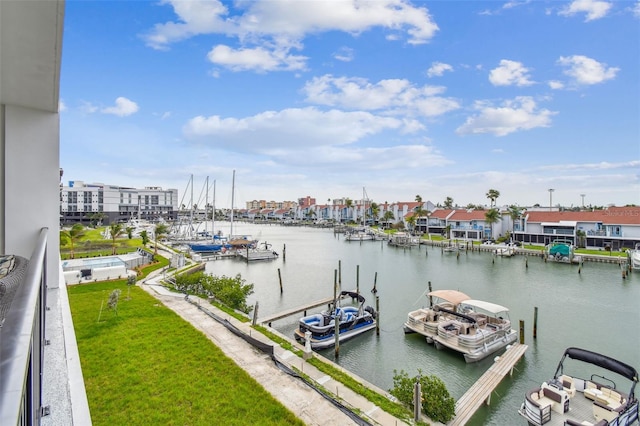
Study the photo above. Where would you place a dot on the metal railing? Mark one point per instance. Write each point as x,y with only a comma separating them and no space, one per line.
22,341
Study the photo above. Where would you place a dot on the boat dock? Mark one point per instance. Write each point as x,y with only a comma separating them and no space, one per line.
270,318
482,389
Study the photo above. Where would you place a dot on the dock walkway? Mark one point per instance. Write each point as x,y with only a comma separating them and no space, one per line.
482,389
279,315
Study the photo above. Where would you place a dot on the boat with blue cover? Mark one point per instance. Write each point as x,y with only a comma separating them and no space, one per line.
352,321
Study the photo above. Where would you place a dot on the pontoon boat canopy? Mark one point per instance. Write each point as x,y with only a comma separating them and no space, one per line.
487,306
453,296
603,361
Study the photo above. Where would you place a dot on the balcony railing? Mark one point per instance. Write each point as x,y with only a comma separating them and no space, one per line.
22,342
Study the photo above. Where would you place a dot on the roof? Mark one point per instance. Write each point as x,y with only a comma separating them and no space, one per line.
468,215
487,306
452,296
441,214
609,216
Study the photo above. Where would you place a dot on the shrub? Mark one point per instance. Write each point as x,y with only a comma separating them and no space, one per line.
233,292
437,403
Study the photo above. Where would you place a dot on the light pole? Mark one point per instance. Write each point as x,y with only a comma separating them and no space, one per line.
583,195
551,198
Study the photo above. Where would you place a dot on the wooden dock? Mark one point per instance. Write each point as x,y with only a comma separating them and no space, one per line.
482,389
270,318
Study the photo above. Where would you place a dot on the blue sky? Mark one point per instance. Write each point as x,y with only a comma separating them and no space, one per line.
325,98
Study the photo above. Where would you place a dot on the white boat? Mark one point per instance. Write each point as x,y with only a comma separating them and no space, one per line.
403,239
352,321
505,250
634,257
568,399
425,321
479,329
254,252
363,233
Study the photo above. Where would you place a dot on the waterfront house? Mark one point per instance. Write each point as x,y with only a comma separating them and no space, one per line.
612,228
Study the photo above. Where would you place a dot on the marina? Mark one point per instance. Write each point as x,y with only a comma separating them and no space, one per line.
563,295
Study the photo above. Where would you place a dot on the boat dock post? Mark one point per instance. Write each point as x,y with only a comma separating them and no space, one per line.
481,390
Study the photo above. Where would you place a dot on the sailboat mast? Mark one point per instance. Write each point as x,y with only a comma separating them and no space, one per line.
233,190
213,213
206,205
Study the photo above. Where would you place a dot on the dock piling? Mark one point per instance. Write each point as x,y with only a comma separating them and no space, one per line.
522,332
535,322
280,279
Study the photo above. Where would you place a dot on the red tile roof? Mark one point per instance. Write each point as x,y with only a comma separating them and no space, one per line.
610,216
468,215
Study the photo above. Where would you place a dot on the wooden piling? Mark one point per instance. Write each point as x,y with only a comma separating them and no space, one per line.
358,279
377,315
255,314
535,322
522,332
280,279
430,297
284,252
337,319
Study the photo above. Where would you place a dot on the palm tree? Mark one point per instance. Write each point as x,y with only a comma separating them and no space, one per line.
514,212
72,236
375,211
448,203
348,203
161,230
411,221
492,216
493,195
388,216
96,218
116,230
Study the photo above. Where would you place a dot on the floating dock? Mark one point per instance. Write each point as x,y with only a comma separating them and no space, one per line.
482,389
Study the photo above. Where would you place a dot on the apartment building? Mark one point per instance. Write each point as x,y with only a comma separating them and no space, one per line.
80,202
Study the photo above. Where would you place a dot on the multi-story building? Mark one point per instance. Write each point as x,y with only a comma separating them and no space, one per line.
80,202
263,204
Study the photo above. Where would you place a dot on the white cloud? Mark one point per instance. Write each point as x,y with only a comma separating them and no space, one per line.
344,54
258,59
272,131
584,70
61,106
87,107
122,108
594,9
385,95
372,158
636,9
437,69
510,73
556,85
514,115
279,26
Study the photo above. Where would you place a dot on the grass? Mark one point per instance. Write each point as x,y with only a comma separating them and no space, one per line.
147,366
393,408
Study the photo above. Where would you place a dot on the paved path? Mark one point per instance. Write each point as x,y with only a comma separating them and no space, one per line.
302,400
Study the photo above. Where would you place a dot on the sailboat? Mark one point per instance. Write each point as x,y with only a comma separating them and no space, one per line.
218,242
362,232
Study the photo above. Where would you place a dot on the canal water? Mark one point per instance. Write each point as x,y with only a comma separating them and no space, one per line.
592,307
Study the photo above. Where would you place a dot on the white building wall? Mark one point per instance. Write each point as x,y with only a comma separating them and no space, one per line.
29,181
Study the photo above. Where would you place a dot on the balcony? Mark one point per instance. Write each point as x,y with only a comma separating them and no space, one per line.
40,376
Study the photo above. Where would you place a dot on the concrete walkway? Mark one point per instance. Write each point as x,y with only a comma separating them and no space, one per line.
307,404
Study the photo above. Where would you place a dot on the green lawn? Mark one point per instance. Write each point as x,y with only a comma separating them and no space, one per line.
147,366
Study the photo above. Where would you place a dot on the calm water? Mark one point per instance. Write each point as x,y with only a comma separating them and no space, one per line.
596,309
